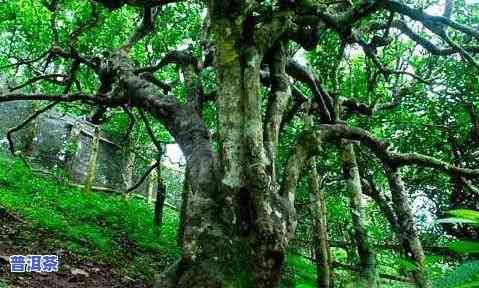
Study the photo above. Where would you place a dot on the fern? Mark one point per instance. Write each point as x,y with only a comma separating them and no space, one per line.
465,275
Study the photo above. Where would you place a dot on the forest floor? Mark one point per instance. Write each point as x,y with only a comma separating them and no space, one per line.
19,237
101,240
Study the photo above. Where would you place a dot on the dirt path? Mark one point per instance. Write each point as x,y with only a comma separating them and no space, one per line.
17,237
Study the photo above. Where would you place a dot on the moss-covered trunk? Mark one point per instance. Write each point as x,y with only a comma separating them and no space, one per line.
91,172
367,257
320,233
407,228
236,226
160,195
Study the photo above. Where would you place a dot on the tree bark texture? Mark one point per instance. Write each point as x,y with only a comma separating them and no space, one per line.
367,257
236,224
407,229
320,233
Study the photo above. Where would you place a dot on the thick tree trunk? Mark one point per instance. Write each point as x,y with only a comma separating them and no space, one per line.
236,222
320,233
236,225
367,257
255,221
407,229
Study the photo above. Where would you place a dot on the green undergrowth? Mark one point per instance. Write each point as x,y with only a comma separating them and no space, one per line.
104,227
302,273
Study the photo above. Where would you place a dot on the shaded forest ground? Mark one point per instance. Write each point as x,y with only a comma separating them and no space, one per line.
76,270
101,240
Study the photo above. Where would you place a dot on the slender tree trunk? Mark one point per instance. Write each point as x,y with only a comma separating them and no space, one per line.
184,206
407,229
384,203
320,233
91,173
72,150
160,195
367,257
129,164
152,180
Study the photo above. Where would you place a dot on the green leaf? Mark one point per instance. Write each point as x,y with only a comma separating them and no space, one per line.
470,247
407,265
473,284
465,275
465,214
455,220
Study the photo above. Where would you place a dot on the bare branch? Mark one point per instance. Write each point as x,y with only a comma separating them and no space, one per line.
424,42
353,106
71,78
143,178
160,84
80,97
341,22
180,57
298,100
150,131
147,26
382,200
303,74
470,186
26,62
428,20
131,123
36,79
370,51
24,123
393,159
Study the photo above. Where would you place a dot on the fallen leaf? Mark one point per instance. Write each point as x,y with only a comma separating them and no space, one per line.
76,271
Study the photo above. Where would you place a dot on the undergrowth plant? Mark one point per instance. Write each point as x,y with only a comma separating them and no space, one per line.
108,227
465,275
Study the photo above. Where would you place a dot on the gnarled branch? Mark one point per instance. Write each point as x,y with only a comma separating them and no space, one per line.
394,159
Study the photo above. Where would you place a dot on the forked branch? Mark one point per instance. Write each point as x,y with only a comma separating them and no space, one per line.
393,159
24,123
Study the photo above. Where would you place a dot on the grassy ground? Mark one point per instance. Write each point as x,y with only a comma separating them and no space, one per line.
302,273
104,228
